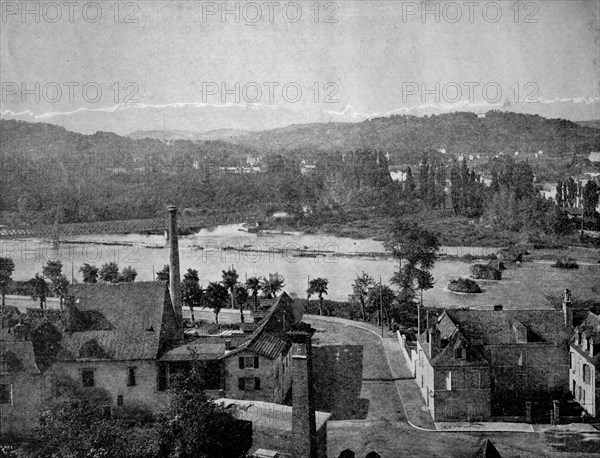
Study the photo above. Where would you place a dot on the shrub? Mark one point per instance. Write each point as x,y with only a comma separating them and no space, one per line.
485,272
464,285
568,263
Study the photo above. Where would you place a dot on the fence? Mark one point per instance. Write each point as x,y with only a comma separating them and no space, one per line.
475,251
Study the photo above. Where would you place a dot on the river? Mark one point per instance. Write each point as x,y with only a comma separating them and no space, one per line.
338,259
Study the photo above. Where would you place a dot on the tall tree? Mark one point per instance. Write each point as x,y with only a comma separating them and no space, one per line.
40,289
191,291
89,272
127,275
590,198
241,298
52,269
163,274
416,250
59,284
109,272
272,285
318,286
381,299
195,426
360,289
7,267
424,180
60,287
216,297
253,286
229,280
409,185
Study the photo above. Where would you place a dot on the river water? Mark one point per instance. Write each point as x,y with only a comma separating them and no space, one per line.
338,259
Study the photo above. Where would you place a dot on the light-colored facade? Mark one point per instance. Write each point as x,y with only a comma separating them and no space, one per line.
584,365
473,365
22,387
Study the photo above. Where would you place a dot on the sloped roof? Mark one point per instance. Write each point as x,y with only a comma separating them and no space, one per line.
266,414
446,356
20,356
270,339
590,328
130,317
487,450
199,348
491,327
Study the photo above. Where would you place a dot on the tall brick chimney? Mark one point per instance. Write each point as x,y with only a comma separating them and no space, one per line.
174,272
304,444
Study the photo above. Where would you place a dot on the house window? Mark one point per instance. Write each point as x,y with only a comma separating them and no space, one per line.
570,360
249,383
120,400
459,353
6,394
248,362
449,381
163,378
586,373
131,376
87,378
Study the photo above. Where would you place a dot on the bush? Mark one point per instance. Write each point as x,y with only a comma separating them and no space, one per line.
485,272
568,263
463,285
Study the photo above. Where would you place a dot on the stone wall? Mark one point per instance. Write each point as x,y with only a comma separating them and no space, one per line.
274,381
21,415
112,377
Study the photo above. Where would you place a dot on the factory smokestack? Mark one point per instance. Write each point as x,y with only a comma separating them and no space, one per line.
174,273
304,443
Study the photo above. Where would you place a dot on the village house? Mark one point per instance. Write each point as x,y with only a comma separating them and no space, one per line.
584,364
113,336
22,386
475,365
124,342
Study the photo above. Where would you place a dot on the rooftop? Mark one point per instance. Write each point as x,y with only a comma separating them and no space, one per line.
121,321
267,414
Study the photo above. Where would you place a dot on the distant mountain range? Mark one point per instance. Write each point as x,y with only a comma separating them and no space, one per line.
170,135
405,138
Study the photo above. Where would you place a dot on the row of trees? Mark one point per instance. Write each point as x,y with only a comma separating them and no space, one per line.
416,250
52,280
229,291
568,193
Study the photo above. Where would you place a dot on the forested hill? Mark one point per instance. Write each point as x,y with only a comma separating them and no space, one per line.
23,141
406,137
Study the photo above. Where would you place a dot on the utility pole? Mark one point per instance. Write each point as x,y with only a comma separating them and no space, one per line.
381,304
419,305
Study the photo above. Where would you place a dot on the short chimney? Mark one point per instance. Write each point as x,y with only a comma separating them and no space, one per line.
304,444
174,273
567,306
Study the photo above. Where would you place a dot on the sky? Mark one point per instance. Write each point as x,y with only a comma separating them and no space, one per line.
200,66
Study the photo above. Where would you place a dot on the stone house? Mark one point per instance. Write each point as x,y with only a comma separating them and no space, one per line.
584,364
22,387
259,369
113,336
473,365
